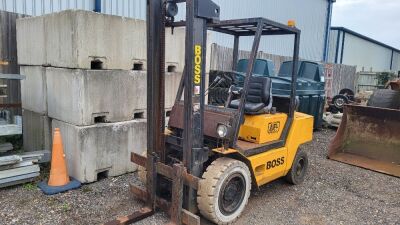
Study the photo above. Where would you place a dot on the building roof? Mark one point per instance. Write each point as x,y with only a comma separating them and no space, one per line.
365,38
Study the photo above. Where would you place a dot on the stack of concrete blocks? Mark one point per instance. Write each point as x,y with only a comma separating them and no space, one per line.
85,74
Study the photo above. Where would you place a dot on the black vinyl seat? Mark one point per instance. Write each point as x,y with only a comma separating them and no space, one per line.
259,96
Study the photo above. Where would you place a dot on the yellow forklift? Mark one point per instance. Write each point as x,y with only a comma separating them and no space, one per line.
209,157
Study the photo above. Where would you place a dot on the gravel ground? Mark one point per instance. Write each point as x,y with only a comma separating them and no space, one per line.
333,193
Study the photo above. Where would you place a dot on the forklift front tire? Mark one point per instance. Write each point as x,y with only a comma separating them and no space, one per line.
224,190
299,168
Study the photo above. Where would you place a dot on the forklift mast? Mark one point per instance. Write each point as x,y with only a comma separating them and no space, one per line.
198,13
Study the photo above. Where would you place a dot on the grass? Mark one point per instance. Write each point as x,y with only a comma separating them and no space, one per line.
86,189
65,207
52,201
29,186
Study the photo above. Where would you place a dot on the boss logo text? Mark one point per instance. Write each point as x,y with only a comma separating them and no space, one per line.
275,162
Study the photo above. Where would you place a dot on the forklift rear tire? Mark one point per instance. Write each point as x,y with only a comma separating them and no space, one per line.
299,168
224,190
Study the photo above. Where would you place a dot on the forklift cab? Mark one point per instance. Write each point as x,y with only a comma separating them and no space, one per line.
257,132
226,127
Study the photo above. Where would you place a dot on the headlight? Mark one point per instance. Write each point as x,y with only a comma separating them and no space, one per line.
222,130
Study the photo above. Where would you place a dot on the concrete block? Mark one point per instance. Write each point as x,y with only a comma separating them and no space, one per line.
76,38
31,41
84,97
172,81
175,49
81,97
36,131
33,89
101,149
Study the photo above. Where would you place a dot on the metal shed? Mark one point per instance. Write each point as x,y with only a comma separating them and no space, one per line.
351,48
311,16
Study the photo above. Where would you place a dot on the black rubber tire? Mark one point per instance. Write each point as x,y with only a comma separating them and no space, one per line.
213,184
385,98
297,174
333,109
339,100
347,92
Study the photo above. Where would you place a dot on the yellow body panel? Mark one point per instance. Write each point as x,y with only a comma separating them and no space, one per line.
275,163
268,165
262,128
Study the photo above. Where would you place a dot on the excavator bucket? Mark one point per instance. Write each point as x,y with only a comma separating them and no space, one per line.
368,137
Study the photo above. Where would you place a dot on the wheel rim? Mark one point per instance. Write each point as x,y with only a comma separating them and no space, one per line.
232,193
300,167
339,102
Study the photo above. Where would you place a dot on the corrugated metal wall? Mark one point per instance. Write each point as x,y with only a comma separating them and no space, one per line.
396,61
310,16
367,56
364,54
335,46
332,45
127,8
40,7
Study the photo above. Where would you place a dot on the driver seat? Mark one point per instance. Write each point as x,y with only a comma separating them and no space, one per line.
259,96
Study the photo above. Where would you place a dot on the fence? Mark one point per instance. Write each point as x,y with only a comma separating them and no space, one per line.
368,81
337,76
221,58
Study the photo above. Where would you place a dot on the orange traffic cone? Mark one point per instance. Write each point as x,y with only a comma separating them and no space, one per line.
59,180
58,171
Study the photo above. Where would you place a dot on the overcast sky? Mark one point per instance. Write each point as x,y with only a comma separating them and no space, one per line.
377,19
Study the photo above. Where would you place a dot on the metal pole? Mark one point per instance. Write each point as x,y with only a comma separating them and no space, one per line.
294,75
235,52
391,60
249,72
97,5
327,30
155,93
341,53
179,93
194,95
337,46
